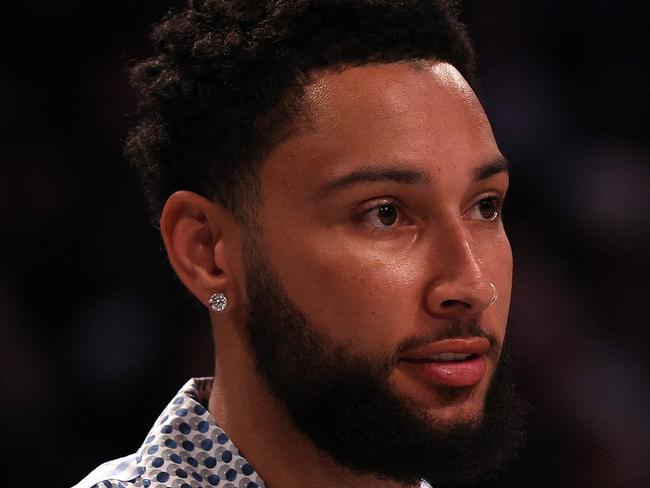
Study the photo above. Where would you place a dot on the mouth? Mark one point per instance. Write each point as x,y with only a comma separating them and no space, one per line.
449,363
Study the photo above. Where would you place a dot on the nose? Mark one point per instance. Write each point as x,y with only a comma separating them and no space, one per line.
459,287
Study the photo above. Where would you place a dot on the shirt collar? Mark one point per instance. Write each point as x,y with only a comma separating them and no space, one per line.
185,443
185,447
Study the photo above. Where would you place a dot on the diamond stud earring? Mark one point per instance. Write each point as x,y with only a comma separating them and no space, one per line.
218,302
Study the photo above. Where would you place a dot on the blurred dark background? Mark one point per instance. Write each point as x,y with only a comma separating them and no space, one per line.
96,334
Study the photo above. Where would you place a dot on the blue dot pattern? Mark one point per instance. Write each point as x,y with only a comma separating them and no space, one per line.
185,448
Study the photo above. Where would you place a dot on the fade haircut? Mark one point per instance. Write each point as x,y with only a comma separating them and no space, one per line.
225,83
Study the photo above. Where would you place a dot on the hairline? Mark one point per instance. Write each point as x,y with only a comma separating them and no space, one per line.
301,122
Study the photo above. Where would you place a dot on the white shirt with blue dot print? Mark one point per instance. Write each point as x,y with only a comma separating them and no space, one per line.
184,449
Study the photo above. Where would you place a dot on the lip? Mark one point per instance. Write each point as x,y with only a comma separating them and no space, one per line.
465,373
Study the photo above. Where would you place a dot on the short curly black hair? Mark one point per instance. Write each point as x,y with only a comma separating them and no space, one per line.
227,76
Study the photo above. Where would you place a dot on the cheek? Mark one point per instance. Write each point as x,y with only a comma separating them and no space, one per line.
495,256
498,269
505,267
352,292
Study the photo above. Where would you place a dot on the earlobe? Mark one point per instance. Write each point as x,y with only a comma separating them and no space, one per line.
194,231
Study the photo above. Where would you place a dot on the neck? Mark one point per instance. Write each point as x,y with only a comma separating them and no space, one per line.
259,425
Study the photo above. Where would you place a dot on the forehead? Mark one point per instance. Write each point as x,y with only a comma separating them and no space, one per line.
371,93
424,114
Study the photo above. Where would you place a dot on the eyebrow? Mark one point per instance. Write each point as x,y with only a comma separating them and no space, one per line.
484,171
404,175
368,174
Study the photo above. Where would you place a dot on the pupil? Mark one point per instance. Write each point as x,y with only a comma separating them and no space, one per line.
387,215
487,209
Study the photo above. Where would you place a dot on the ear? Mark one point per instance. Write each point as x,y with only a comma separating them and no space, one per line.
200,236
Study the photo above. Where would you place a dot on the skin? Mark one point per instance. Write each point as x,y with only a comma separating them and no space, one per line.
366,285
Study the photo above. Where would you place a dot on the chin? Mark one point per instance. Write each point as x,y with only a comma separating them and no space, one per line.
457,407
445,405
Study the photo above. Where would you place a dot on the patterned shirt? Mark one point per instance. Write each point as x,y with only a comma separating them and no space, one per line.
184,449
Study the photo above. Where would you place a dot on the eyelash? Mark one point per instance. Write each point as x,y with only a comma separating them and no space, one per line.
498,202
498,207
364,216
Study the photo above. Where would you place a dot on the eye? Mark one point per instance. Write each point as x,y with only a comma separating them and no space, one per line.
487,209
385,215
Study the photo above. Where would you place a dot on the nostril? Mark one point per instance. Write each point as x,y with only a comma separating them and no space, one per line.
451,303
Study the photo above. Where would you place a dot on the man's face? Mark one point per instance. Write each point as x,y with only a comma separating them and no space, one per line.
379,247
373,264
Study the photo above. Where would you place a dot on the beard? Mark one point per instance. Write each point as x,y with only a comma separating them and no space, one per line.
344,404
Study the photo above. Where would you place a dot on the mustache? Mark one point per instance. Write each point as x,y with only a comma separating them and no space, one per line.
452,330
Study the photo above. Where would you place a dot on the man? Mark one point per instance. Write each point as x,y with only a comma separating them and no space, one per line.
328,185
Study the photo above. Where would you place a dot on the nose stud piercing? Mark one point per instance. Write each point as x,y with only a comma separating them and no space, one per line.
494,293
218,302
